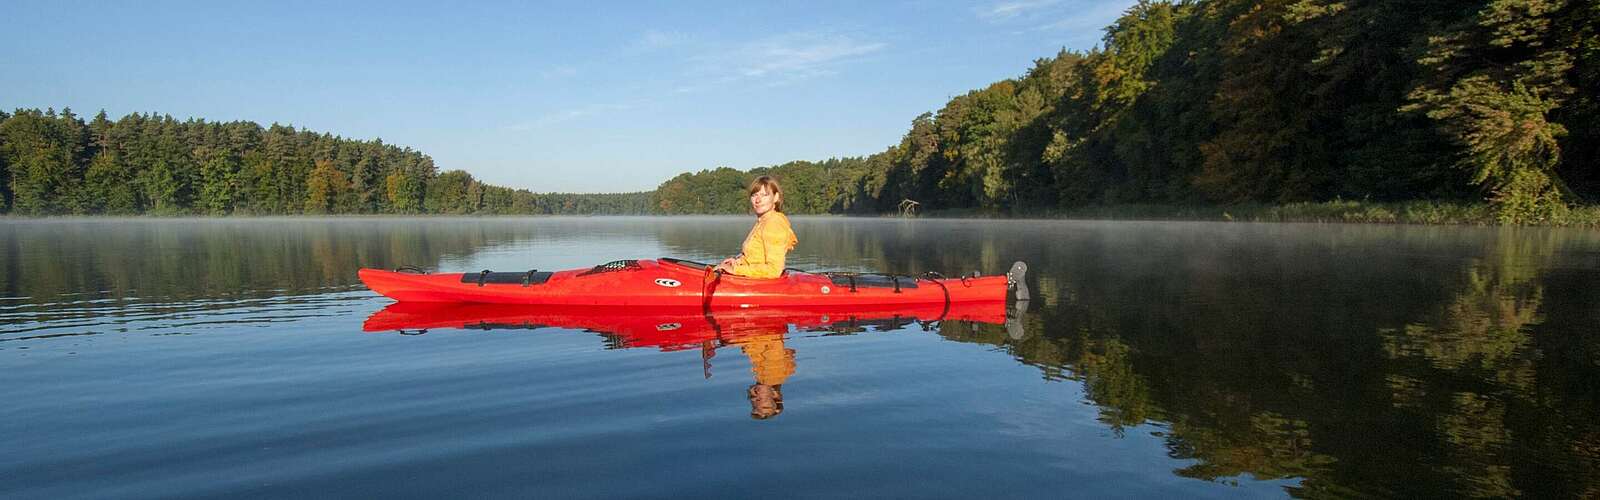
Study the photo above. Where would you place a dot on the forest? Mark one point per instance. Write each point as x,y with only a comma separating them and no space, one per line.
1251,101
1193,102
55,163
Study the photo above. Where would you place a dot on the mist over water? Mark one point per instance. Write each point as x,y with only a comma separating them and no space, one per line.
196,357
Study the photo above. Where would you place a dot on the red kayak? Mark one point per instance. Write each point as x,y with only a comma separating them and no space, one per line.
678,283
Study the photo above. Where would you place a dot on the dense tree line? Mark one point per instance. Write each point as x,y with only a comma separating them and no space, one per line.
56,163
831,186
1268,101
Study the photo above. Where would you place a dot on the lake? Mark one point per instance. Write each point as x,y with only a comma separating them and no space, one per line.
242,358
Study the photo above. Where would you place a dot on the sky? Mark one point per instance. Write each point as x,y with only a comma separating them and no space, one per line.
549,96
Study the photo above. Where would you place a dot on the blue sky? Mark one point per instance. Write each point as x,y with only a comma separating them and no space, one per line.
544,96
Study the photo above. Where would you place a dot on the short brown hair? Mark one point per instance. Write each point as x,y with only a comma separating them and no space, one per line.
766,181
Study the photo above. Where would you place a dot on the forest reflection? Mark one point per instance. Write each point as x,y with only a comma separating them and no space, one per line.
1402,376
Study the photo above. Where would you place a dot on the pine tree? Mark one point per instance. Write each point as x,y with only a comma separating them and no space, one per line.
219,185
5,166
40,153
110,179
160,188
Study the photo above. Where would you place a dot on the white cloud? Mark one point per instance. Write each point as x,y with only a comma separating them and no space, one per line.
559,72
784,58
655,39
567,115
1007,10
772,61
1093,19
803,53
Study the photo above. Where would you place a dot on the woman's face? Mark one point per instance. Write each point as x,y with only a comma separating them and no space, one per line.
763,200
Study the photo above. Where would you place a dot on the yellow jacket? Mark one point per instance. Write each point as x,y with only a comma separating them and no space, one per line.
765,247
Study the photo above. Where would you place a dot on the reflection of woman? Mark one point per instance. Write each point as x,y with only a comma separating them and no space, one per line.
769,241
761,338
772,364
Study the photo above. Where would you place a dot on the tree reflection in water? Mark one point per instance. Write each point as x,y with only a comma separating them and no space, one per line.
1367,382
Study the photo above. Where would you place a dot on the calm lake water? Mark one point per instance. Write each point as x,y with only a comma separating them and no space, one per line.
228,357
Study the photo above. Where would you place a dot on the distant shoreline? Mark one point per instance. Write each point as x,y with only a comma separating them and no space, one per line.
1411,213
1363,212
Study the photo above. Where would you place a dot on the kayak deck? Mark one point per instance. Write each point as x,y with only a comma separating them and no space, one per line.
677,283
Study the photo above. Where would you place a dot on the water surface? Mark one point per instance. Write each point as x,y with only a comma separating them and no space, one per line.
227,357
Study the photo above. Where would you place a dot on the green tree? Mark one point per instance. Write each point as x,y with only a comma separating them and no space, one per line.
1493,82
364,184
5,169
219,174
55,163
1579,25
41,150
403,193
325,187
256,192
108,177
448,193
715,191
160,189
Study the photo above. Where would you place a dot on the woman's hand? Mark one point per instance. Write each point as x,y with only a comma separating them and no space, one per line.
727,265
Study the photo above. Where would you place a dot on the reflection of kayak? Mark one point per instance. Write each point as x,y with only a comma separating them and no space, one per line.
678,283
670,328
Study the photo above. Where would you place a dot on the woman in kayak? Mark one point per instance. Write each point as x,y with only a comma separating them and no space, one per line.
768,242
